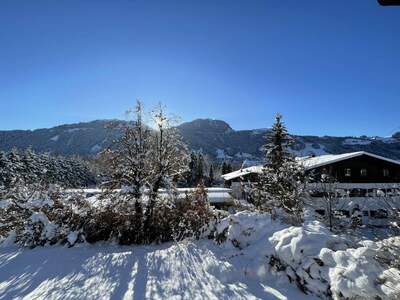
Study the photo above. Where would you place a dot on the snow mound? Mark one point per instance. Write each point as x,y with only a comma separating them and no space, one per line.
245,228
323,264
294,244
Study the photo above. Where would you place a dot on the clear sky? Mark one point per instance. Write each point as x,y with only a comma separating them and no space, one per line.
330,67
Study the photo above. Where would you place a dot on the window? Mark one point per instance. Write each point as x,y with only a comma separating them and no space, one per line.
341,213
385,172
347,172
379,214
363,172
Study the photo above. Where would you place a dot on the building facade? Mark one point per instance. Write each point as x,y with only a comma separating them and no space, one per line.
363,185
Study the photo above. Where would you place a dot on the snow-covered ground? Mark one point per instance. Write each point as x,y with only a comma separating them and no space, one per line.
253,257
188,270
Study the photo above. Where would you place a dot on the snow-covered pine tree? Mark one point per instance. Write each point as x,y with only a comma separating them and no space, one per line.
277,144
5,179
30,170
15,168
282,182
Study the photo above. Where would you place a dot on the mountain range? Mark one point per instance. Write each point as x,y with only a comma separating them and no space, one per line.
214,138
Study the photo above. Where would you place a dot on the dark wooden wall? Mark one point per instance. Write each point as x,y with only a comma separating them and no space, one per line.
373,165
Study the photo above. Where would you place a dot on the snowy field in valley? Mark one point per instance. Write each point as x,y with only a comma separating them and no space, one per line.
188,270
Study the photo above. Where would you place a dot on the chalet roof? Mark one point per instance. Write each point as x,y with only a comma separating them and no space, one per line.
310,163
318,161
215,195
243,172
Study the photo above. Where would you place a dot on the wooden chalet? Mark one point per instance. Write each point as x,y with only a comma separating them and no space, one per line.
364,182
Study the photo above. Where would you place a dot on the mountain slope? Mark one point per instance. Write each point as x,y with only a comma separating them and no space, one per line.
214,137
82,138
219,140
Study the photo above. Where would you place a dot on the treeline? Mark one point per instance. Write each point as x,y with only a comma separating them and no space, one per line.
202,170
28,167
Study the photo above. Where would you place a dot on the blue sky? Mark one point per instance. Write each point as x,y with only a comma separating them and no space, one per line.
330,67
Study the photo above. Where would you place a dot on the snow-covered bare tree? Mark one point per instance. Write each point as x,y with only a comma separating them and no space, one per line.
129,158
169,161
326,185
169,154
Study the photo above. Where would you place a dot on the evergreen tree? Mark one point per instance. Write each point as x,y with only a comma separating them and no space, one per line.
278,142
211,175
199,169
282,182
223,168
15,167
226,167
28,168
5,175
191,173
229,168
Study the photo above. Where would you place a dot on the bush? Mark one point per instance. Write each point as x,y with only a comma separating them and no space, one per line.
53,217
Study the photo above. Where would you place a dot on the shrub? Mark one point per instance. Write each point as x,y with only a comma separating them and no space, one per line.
53,217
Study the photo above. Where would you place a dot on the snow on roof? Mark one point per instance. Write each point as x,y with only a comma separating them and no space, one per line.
310,163
214,195
242,172
318,161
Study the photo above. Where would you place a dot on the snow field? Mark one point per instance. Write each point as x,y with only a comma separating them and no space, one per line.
310,262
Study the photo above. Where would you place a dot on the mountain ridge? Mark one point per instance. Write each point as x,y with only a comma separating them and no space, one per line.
215,138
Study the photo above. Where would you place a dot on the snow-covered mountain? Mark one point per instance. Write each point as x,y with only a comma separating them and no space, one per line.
219,140
214,137
82,138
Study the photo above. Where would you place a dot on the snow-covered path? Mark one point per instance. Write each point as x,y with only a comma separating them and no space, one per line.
190,270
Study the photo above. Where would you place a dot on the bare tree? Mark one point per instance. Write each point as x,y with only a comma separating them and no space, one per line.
169,154
128,158
326,185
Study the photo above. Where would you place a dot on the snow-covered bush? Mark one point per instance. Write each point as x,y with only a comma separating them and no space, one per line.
324,264
39,216
130,222
312,257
